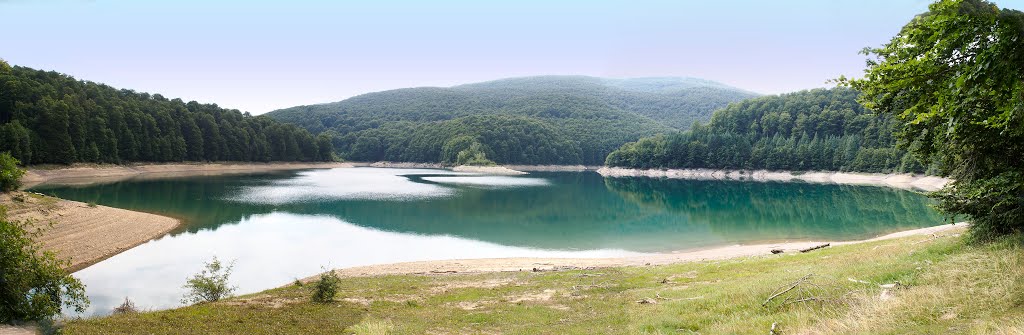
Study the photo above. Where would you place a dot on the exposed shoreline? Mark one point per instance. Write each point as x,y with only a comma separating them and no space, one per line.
515,167
494,170
547,264
84,234
901,181
89,173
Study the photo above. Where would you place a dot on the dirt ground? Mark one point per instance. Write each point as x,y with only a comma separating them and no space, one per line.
83,233
549,264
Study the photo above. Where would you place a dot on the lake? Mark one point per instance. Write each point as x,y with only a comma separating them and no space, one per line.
280,226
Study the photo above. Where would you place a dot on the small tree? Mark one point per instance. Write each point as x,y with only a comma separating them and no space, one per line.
211,284
10,173
33,283
326,288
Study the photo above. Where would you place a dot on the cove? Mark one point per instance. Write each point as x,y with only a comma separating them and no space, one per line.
286,225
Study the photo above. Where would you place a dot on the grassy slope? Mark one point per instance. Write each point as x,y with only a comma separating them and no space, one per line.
951,288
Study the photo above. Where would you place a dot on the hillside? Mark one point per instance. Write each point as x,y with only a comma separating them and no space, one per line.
48,117
821,129
585,118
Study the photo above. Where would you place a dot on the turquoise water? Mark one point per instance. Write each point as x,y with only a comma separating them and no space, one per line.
282,226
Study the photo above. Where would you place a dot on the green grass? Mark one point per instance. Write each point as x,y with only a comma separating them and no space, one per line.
948,287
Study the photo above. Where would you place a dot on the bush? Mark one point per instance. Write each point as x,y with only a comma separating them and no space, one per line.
33,283
127,307
10,173
209,285
326,288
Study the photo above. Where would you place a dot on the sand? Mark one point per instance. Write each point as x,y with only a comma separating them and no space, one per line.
492,170
85,234
18,330
902,181
91,173
548,264
552,168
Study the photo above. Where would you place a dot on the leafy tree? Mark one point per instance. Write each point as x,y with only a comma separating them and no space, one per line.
209,285
10,173
34,284
474,155
954,78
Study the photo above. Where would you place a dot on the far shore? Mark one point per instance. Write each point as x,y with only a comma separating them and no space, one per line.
90,173
549,264
515,167
901,181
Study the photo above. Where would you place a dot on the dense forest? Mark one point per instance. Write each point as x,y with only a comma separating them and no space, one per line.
822,129
48,117
533,120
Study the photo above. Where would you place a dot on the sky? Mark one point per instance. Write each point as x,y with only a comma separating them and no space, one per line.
258,56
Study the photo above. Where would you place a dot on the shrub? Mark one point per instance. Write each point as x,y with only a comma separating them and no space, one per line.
326,288
10,173
209,285
127,307
34,284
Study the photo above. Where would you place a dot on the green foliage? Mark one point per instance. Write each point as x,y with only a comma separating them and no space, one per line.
474,155
10,173
810,130
209,285
582,118
34,284
954,79
48,117
326,287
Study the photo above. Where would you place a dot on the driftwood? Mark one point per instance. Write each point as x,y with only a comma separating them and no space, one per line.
815,247
443,271
791,287
647,301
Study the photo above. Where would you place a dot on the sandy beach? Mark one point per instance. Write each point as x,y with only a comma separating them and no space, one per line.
548,264
902,181
82,233
493,170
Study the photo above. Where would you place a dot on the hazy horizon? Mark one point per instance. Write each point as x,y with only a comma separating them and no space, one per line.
259,57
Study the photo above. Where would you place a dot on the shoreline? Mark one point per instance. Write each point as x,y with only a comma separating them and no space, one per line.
490,170
83,234
91,173
514,167
517,264
900,181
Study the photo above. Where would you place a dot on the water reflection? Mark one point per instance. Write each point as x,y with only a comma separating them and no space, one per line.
284,225
271,250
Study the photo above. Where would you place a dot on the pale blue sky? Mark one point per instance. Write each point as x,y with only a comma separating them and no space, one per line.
259,55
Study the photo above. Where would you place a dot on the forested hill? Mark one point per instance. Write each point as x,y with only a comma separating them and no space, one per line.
531,120
48,117
822,129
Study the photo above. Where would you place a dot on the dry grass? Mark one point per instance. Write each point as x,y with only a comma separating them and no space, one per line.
946,287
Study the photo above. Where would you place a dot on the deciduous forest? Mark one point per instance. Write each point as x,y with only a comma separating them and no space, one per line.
821,129
48,117
532,120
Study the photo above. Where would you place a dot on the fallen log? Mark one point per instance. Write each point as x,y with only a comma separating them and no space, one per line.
815,247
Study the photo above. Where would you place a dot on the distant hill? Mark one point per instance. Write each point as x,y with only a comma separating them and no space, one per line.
529,120
820,129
